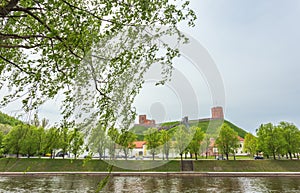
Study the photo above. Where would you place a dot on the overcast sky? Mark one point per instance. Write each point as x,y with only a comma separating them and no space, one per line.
255,47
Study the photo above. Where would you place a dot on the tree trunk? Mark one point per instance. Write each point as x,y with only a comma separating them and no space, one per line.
152,156
274,156
196,156
206,155
181,156
226,156
291,157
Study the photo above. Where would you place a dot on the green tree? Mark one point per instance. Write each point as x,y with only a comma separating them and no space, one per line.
182,139
113,136
291,135
250,144
165,139
98,141
76,142
1,144
50,47
153,137
197,137
227,141
30,143
52,141
126,139
270,139
64,142
206,144
41,140
13,140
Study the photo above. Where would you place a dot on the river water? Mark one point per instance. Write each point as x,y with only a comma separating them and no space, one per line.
77,183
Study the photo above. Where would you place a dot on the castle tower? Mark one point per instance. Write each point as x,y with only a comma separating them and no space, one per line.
217,113
142,119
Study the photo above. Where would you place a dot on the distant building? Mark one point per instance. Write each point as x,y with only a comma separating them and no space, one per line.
144,121
217,113
185,120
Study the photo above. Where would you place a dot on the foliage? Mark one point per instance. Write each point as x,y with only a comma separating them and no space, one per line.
5,128
80,49
182,139
64,142
277,140
270,139
8,120
76,142
205,145
98,141
227,141
250,144
152,137
13,140
52,141
126,139
291,135
113,136
197,138
30,143
165,139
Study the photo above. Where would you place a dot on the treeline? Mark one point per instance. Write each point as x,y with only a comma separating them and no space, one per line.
35,140
276,141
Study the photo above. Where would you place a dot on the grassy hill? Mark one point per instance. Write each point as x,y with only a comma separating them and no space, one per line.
208,126
7,122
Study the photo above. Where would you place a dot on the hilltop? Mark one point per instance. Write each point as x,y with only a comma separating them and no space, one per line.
207,125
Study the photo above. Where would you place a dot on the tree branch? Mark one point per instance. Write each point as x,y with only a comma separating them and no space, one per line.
19,46
14,64
5,10
50,30
16,36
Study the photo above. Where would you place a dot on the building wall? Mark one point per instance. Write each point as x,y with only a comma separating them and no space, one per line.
217,113
144,121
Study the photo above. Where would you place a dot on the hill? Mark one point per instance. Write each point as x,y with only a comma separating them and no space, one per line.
207,125
7,122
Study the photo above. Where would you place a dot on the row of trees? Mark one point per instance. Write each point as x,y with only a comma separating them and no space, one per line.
278,140
184,140
34,139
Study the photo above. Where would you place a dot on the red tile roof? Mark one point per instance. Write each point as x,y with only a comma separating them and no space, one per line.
240,138
139,144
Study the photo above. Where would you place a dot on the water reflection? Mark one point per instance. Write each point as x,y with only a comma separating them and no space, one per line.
81,183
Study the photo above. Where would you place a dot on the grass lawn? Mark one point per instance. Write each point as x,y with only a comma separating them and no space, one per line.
60,165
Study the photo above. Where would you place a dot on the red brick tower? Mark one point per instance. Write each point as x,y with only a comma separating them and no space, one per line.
142,119
217,113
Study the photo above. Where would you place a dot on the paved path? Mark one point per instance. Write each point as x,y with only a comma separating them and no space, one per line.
166,174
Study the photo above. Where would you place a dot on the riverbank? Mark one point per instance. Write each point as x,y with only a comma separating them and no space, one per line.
25,165
158,174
